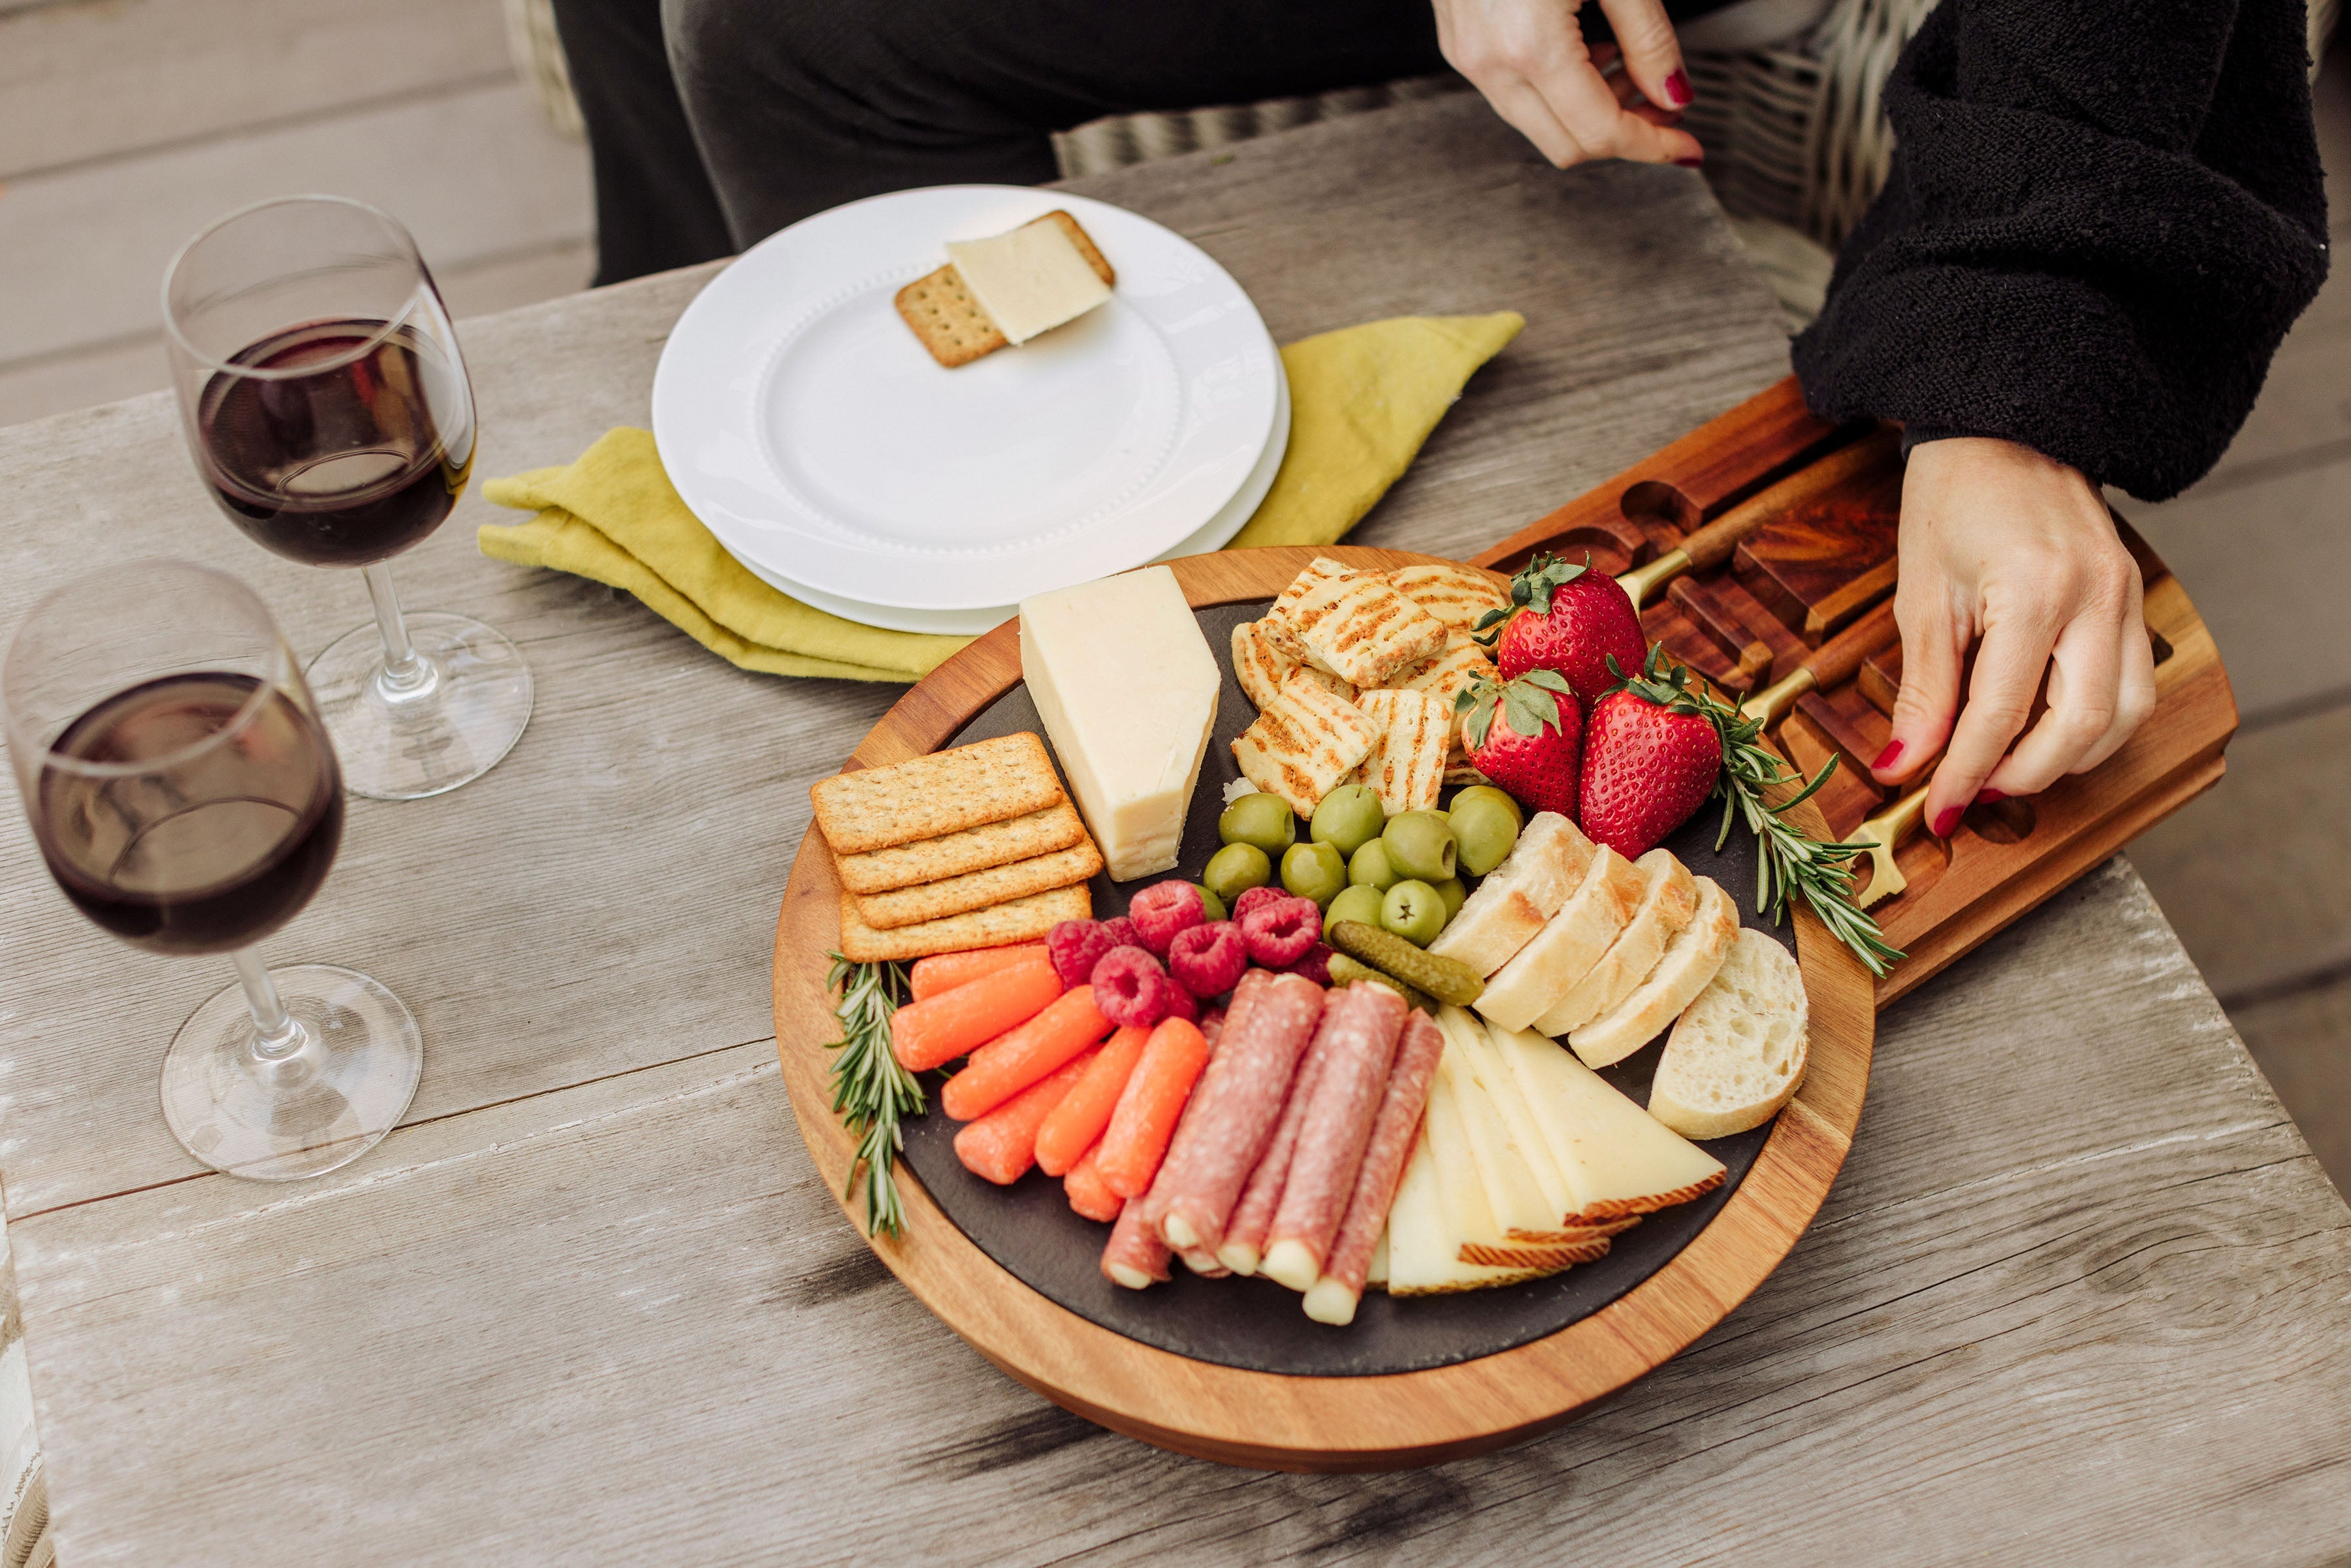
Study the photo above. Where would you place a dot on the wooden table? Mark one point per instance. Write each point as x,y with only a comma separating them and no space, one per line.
2081,1294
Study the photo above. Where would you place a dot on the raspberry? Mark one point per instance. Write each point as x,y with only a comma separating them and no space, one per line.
1122,933
1181,1005
1316,965
1258,898
1161,910
1075,946
1206,959
1279,934
1130,988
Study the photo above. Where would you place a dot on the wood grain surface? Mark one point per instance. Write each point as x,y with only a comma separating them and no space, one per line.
2078,1294
1306,1423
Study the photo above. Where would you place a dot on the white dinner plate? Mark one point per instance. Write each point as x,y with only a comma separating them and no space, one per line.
803,423
1217,533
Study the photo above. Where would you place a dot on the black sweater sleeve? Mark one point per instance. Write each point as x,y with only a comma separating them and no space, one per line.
2101,217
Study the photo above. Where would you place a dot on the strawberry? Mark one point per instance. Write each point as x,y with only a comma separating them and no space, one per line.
1565,618
1534,750
1651,758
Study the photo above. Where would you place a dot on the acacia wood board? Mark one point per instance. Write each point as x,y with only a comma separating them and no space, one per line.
1819,566
1274,1420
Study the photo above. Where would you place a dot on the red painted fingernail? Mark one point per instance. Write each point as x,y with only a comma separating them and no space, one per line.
1690,162
1986,797
1942,825
1887,758
1677,91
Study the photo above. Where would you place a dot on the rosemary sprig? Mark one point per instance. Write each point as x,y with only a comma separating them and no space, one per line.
871,1093
1789,859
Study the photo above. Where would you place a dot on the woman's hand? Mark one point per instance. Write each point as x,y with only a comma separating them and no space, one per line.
1529,57
2002,544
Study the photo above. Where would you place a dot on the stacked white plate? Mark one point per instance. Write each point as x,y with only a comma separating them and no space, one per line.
830,454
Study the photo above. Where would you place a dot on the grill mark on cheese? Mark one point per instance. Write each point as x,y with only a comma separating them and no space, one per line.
1363,628
1304,743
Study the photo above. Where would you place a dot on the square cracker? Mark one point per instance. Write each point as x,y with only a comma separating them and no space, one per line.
1022,920
956,854
1405,767
950,323
1361,628
1305,743
945,792
978,889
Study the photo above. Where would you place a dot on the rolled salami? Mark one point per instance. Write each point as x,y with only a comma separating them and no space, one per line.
1238,1099
1334,1298
1357,1043
1245,1232
1134,1257
1212,1030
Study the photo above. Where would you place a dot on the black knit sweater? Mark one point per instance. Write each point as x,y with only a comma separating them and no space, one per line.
2101,217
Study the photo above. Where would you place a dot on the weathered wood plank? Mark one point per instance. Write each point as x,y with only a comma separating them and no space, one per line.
624,1319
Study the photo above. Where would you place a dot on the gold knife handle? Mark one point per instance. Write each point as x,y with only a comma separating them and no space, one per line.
1897,822
1643,582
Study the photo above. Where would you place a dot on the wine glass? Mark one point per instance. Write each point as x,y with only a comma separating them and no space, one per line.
327,406
186,798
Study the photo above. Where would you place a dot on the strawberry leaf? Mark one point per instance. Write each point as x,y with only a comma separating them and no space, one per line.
1528,708
1480,710
1534,584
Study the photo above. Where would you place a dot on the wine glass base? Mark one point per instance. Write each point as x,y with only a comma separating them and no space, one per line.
450,729
303,1114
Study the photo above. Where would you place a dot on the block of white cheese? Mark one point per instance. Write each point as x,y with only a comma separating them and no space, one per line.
1029,280
1127,688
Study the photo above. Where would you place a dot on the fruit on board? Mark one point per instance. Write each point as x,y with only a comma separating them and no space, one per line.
1454,894
1161,910
1414,911
1211,906
1420,845
1483,830
1257,898
1370,867
1234,870
1359,901
1501,797
1129,988
1279,934
1075,945
1350,817
1650,760
1207,960
1263,820
1566,618
1317,872
1520,736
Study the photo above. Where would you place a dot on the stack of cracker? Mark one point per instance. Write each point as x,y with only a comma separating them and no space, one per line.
973,847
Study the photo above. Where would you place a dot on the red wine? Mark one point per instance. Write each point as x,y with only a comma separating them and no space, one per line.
349,464
195,854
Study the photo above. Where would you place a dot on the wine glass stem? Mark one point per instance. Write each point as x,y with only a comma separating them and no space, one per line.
276,1032
404,670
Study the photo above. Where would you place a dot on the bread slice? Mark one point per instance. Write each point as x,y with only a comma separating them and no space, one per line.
1737,1054
1518,897
1565,949
1690,960
1668,900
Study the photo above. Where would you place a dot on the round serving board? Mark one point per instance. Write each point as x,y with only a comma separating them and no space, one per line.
1487,1370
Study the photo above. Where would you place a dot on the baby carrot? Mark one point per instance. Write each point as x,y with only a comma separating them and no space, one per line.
1001,1145
933,1033
1079,1120
1089,1194
944,972
1010,1062
1144,1119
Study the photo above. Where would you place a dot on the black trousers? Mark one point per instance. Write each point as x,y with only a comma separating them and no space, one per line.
713,123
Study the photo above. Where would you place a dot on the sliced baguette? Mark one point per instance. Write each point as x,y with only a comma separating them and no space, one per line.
1737,1054
1668,901
1690,960
1519,896
1564,950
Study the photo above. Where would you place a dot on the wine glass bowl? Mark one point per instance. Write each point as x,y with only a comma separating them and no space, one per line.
327,410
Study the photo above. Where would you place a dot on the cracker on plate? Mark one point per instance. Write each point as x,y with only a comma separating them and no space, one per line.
954,854
978,889
1022,920
944,792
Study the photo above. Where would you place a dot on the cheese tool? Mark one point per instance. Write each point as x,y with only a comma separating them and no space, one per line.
1884,835
1711,545
1830,665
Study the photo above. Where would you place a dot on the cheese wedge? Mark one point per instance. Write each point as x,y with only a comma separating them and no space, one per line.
1668,900
1517,1225
1304,743
1616,1157
1568,947
1029,280
1423,1248
1501,1088
1127,688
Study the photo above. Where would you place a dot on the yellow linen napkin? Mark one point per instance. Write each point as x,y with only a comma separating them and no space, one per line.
1362,399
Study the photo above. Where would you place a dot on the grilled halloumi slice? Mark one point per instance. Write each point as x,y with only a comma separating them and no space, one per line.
1455,595
1259,666
1304,743
1321,570
1461,663
1407,767
1360,627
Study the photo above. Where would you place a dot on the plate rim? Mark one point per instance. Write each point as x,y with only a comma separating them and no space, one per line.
668,389
1285,1421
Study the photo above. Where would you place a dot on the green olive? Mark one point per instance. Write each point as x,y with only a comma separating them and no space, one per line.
1357,903
1501,797
1211,906
1349,816
1263,820
1414,911
1314,871
1420,845
1483,833
1454,897
1234,870
1369,867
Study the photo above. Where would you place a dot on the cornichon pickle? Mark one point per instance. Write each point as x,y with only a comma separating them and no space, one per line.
1446,979
1346,971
